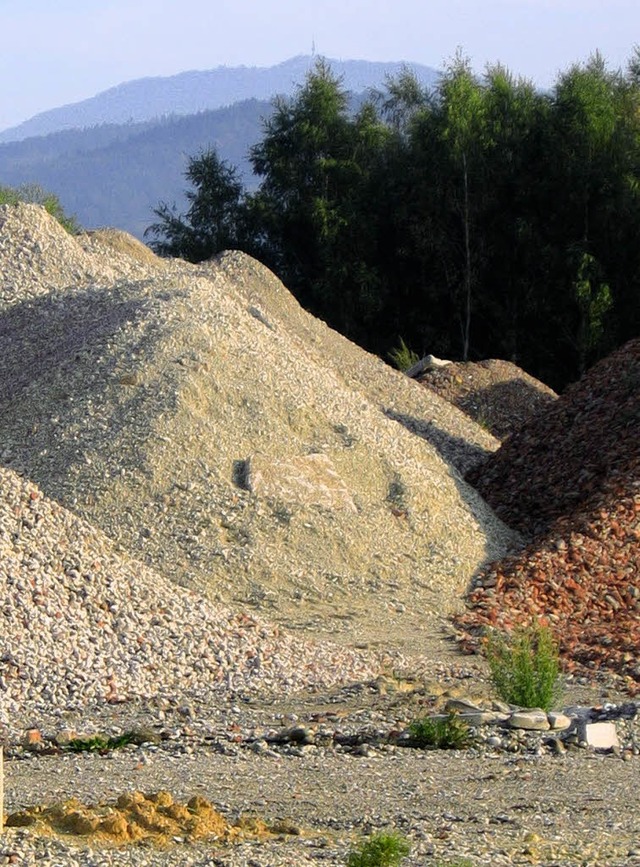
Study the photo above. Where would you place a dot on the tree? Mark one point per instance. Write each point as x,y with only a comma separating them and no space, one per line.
461,113
216,219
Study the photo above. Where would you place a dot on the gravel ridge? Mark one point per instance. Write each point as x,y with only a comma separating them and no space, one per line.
571,480
497,394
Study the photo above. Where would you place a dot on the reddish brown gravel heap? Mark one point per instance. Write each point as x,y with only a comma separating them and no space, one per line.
497,394
571,481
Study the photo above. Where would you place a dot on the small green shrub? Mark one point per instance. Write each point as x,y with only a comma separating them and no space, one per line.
380,850
99,743
36,195
403,357
525,666
450,733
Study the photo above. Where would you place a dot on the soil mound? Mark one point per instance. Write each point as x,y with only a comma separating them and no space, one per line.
497,394
571,478
223,436
152,819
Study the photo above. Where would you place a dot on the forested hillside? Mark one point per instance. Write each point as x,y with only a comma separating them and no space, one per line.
191,92
483,219
115,174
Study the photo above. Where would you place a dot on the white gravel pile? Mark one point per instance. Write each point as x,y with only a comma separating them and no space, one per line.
80,624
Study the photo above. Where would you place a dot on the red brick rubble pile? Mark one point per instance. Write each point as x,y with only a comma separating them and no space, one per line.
569,480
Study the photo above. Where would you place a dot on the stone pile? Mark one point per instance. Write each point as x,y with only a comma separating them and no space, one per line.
570,481
232,442
83,624
497,394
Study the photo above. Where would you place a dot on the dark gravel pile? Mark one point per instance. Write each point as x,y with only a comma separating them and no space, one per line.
567,454
571,481
497,394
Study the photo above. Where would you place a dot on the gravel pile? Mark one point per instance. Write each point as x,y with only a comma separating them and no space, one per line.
497,394
229,440
571,480
83,625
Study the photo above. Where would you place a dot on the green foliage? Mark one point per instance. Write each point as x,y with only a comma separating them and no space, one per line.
484,219
525,666
403,357
100,743
35,195
380,850
215,220
450,733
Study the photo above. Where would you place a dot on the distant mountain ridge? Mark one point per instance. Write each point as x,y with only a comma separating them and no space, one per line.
145,99
114,175
110,173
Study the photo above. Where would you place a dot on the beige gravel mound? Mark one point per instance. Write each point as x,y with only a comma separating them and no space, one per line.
82,623
497,394
231,441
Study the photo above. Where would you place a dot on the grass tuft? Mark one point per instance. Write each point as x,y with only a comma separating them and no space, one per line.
100,743
450,733
380,850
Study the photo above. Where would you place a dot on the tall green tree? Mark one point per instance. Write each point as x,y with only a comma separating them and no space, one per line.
461,122
314,161
217,216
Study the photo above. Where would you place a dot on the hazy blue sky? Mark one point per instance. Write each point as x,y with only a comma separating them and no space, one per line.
53,53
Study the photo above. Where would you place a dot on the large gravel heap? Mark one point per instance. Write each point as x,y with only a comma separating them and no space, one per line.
570,480
221,435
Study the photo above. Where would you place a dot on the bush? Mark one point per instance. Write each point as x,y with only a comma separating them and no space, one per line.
403,357
450,733
525,666
35,195
380,850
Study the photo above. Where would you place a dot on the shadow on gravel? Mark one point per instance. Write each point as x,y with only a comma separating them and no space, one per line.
505,406
455,451
58,367
462,455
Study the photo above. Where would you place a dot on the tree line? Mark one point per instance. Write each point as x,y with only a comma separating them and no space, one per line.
481,219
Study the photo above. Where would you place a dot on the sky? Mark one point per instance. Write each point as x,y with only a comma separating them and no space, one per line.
55,53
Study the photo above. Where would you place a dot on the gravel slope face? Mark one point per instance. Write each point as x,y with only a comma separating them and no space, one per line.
571,478
218,433
566,454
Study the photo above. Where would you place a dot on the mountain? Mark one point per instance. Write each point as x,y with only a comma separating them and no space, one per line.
198,90
114,175
129,146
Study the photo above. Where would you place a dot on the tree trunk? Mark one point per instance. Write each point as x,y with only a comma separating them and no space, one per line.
467,269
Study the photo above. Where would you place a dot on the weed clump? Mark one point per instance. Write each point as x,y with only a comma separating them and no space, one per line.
448,733
525,666
380,850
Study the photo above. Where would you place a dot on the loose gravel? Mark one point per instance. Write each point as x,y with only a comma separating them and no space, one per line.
571,479
133,393
497,394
